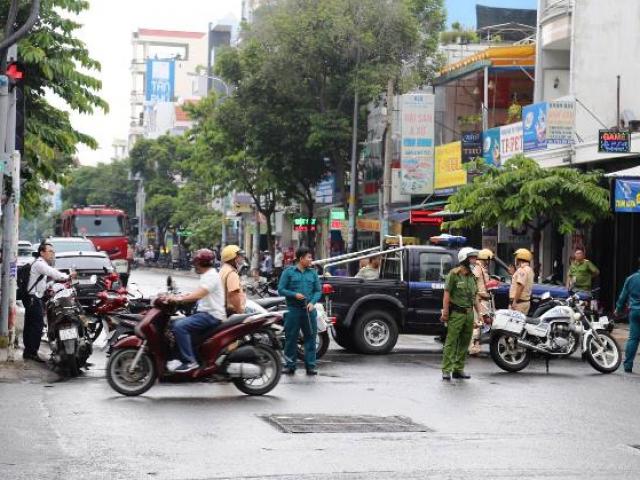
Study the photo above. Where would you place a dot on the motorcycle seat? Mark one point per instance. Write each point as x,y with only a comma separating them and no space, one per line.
210,332
270,302
533,320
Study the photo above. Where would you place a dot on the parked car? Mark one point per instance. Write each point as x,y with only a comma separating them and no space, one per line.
71,244
25,253
86,264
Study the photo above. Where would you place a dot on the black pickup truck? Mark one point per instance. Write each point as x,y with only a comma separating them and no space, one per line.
407,298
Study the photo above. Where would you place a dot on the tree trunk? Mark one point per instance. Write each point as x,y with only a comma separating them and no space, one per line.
311,232
537,237
270,243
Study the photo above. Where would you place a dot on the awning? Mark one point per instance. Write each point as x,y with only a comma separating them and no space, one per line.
629,172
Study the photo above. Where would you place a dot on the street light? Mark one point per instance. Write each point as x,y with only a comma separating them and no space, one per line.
212,77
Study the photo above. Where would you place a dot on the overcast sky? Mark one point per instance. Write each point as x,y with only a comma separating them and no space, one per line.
107,28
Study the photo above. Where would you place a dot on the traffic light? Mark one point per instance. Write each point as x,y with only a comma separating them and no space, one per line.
16,74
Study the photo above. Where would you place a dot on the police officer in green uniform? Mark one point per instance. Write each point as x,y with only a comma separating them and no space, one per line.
460,299
581,272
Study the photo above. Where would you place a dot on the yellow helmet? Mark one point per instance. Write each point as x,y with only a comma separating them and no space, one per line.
230,252
485,254
523,254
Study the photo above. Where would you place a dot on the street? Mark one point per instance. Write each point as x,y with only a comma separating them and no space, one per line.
570,423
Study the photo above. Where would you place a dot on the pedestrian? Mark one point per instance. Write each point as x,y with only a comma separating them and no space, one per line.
232,260
521,282
460,300
631,295
278,263
41,271
371,271
581,272
481,273
301,287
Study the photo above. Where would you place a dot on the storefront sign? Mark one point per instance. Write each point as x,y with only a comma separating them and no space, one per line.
160,80
338,214
627,196
417,143
561,118
510,140
491,146
396,187
534,126
449,171
304,224
325,189
471,146
610,141
423,217
367,225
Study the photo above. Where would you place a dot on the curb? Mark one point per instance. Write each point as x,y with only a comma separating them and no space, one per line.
18,371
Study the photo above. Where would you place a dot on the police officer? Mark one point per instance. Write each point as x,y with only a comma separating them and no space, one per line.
300,285
481,272
460,300
521,282
631,295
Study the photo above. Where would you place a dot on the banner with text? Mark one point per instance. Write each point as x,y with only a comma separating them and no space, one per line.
471,146
417,143
510,140
561,118
627,196
491,146
449,172
534,126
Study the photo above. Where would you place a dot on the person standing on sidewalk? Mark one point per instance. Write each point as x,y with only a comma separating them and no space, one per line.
300,285
631,294
481,272
521,282
460,300
581,272
41,271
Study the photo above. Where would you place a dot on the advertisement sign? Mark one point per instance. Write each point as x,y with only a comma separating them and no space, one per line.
627,196
396,187
611,141
423,217
534,126
325,189
510,140
561,117
303,224
449,171
367,225
491,146
417,143
471,146
160,80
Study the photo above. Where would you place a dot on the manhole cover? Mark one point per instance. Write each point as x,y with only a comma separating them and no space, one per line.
299,423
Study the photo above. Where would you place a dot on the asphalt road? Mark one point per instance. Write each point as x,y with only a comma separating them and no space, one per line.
571,423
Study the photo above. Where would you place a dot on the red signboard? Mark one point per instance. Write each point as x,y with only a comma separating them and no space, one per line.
421,217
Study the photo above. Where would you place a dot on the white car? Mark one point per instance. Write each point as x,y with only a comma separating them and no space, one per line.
25,253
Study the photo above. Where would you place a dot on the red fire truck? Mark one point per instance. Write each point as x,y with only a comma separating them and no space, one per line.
108,228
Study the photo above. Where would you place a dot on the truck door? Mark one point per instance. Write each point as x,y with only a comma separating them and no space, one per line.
426,289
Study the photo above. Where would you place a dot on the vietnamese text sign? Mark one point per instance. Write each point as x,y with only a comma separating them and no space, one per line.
627,196
534,126
449,171
510,140
491,146
471,146
561,117
160,80
396,187
610,141
417,143
325,189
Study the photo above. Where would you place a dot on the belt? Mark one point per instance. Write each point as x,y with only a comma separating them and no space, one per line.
521,300
459,309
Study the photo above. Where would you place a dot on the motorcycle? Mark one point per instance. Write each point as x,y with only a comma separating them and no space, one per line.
514,336
67,335
243,350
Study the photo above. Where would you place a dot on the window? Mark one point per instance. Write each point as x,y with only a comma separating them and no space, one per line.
390,266
434,266
83,263
98,226
79,246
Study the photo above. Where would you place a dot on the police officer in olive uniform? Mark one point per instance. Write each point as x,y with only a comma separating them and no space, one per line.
460,300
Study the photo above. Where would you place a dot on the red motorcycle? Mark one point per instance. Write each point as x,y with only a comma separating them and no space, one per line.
242,350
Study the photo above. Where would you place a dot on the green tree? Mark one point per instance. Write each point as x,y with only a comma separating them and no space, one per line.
159,209
57,62
521,193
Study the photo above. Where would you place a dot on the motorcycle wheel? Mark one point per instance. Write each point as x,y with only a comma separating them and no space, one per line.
270,362
507,355
605,359
130,383
71,363
322,345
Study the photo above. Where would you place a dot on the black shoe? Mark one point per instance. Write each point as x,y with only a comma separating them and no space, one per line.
446,376
289,371
628,370
312,372
461,375
34,357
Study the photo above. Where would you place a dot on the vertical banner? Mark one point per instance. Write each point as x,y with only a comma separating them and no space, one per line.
491,146
534,125
449,172
160,81
627,196
510,140
471,146
417,143
561,118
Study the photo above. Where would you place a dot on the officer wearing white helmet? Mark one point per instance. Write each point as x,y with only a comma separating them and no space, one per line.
481,272
460,300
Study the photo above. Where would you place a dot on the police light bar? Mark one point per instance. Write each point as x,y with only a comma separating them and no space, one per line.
448,240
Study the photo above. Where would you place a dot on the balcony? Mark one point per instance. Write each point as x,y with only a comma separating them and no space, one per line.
555,25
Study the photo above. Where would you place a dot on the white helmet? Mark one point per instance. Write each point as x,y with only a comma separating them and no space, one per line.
465,253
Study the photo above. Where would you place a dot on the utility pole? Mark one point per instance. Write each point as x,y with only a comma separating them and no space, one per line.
388,154
353,187
255,262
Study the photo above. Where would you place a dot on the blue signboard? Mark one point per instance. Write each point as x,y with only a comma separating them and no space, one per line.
325,190
491,146
160,81
534,126
627,196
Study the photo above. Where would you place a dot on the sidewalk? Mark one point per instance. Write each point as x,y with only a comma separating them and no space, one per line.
20,371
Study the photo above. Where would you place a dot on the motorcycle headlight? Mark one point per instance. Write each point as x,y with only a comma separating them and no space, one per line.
576,316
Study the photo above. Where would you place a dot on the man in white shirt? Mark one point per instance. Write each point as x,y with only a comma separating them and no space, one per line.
41,271
278,262
210,310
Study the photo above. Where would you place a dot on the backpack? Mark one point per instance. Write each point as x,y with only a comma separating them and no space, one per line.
22,282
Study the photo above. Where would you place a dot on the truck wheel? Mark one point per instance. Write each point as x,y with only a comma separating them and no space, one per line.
375,332
343,337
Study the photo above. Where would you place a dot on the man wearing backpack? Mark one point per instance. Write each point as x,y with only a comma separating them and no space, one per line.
41,270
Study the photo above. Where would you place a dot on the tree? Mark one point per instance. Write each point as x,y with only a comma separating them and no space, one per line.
55,61
522,193
159,210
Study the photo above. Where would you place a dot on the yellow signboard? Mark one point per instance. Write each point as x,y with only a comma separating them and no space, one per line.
449,172
368,225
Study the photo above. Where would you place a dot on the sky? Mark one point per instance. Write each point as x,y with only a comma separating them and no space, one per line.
107,29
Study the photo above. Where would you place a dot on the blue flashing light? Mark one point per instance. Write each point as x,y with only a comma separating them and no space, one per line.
447,240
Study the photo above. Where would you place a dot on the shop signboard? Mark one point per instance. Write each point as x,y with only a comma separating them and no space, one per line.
491,146
325,189
561,117
424,217
449,172
612,141
160,80
627,196
534,126
304,224
510,140
417,143
471,146
396,187
368,225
